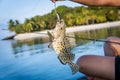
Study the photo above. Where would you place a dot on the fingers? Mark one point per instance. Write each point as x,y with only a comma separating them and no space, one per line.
53,1
112,49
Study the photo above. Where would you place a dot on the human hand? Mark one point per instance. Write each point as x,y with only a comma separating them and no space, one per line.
53,1
56,0
114,47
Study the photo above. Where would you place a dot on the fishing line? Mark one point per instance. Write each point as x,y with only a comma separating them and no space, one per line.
68,37
88,39
95,40
58,17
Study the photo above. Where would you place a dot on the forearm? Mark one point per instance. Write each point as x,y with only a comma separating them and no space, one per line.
99,2
87,2
115,3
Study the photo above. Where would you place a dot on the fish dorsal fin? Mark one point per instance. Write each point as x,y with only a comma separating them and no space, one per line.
50,45
51,37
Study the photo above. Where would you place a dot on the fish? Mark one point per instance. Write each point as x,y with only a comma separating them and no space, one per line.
61,44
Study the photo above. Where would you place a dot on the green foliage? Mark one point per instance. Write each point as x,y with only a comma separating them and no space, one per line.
72,16
11,25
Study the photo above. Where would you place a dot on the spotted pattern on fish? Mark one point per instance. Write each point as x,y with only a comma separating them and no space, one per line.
62,46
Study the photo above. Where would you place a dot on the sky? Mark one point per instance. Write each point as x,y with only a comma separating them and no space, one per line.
21,9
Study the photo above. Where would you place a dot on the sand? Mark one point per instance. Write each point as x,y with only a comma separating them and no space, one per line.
43,34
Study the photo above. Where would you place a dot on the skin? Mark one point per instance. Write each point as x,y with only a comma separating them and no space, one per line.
100,67
97,67
112,49
115,3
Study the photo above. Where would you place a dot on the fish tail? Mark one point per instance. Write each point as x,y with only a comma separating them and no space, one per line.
74,67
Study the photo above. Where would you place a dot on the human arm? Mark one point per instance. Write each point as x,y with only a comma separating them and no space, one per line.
115,3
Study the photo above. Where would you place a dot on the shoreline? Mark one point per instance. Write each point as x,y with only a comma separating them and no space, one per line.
43,34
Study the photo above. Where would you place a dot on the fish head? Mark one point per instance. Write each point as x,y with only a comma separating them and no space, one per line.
59,30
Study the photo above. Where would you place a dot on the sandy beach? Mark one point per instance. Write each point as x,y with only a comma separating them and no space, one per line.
42,34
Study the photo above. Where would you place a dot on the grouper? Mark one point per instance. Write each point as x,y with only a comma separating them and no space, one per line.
61,44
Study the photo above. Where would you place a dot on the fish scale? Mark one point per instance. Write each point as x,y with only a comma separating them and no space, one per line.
62,46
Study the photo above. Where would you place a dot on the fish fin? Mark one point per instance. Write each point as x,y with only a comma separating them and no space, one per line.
50,45
65,57
74,67
51,37
61,60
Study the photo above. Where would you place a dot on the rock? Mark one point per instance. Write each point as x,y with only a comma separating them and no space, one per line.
9,37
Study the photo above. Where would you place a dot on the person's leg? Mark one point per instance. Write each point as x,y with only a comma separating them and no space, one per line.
94,78
97,66
112,49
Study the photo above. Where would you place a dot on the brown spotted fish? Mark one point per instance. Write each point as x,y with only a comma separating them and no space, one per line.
62,46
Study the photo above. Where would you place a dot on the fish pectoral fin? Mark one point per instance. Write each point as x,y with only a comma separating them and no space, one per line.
50,45
74,67
51,37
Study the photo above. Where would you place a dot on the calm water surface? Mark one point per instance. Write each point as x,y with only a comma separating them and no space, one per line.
32,60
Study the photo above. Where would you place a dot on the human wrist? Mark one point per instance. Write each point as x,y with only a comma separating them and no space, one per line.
64,0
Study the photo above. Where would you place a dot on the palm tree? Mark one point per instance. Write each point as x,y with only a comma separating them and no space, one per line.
39,23
11,25
69,19
28,25
16,22
19,28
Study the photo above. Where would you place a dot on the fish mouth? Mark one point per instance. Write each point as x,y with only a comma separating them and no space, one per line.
58,17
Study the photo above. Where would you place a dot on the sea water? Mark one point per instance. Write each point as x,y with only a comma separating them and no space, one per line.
33,60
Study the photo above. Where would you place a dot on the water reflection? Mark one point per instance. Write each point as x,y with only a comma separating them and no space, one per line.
97,34
30,49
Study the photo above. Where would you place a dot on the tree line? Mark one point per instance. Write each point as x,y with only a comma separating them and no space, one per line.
73,17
